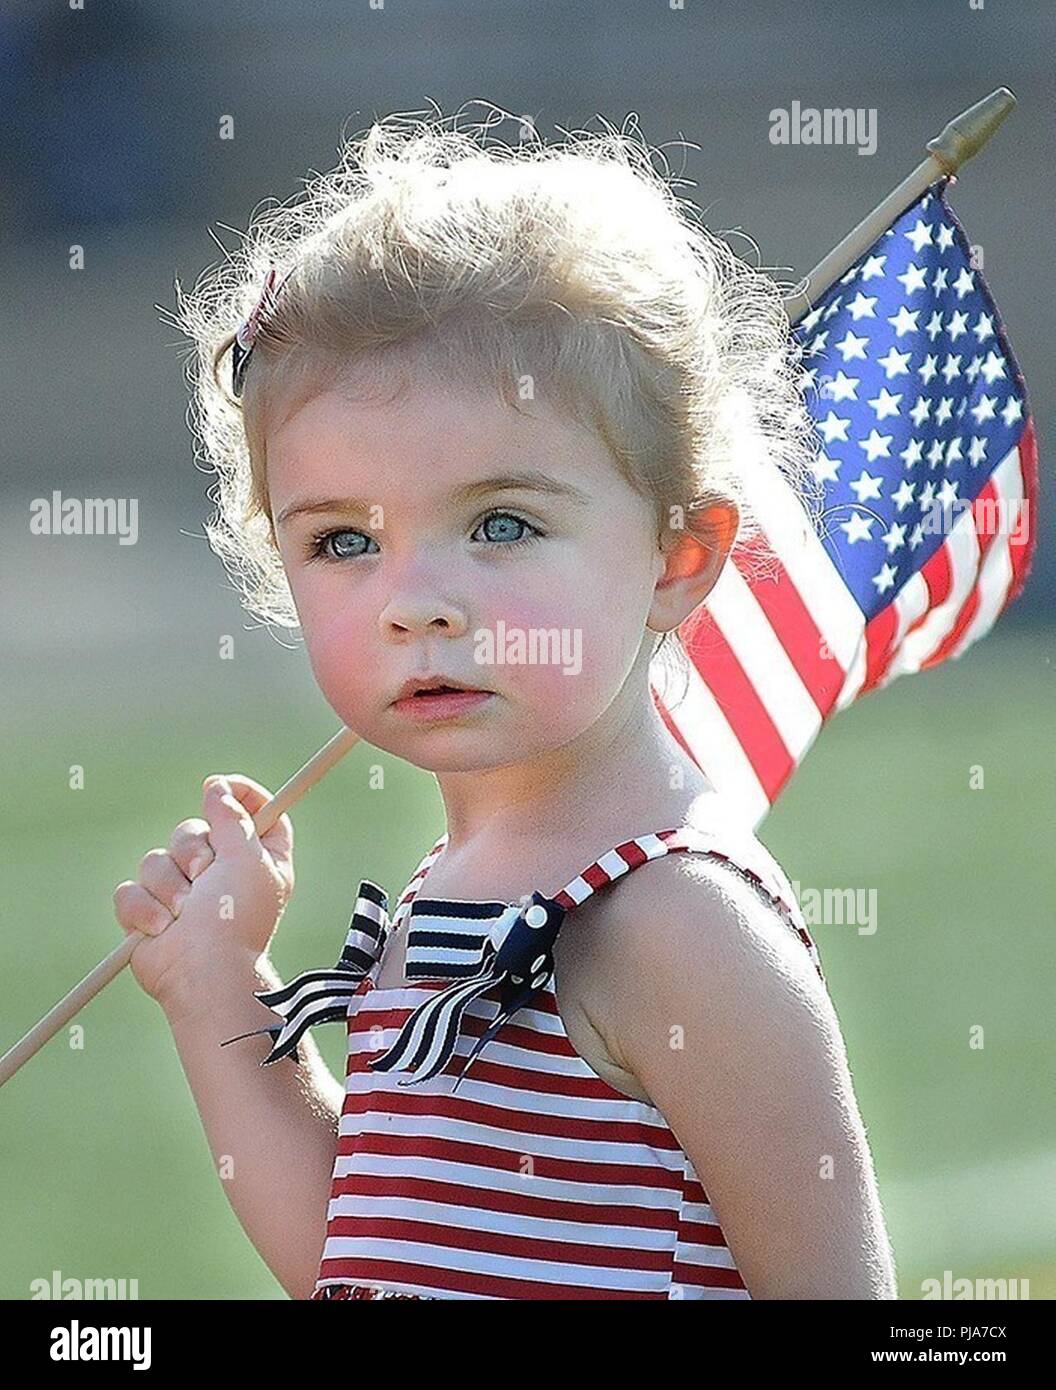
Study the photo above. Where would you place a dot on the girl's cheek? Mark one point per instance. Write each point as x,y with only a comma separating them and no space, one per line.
550,654
332,643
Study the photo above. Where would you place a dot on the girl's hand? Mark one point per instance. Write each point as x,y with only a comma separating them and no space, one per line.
214,895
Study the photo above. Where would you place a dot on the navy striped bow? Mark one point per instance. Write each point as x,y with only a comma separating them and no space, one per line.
514,952
324,996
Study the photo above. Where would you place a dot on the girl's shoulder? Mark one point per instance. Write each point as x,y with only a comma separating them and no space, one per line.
707,918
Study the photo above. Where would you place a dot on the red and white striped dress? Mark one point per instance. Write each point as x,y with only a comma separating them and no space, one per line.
537,1179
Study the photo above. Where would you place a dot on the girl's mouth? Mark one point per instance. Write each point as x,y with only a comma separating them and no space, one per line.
440,702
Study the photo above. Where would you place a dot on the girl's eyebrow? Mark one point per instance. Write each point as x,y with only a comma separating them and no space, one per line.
470,492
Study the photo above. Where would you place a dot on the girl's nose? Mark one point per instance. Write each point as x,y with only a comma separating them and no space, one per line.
410,615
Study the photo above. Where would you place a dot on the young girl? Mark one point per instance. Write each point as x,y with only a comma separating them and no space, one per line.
484,435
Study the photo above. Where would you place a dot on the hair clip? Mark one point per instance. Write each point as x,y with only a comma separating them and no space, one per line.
246,334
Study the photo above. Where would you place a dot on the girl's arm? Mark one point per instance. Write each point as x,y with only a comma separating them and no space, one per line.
715,1005
207,907
272,1130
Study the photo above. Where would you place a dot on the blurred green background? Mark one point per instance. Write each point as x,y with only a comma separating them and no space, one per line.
105,1167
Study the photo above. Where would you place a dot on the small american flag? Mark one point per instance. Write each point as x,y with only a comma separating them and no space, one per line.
928,462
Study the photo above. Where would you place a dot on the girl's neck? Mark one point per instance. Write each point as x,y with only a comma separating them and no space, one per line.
625,776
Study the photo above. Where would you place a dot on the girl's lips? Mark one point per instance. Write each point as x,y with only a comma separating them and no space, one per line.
423,709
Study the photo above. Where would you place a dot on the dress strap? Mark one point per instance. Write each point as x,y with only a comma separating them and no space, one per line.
403,902
750,860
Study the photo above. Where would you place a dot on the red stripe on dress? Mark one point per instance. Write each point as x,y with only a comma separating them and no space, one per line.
707,1276
446,1192
456,1151
464,1281
518,1247
632,854
702,1233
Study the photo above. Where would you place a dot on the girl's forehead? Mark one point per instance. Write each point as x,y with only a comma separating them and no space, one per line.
427,432
418,408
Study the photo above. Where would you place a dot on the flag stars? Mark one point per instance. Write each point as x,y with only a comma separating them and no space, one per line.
983,328
921,410
984,410
951,367
905,321
964,283
928,368
934,327
913,278
895,363
884,579
920,236
857,528
894,537
842,387
873,268
903,495
862,306
876,445
865,487
816,345
912,453
947,493
885,404
834,427
992,367
852,346
825,469
910,388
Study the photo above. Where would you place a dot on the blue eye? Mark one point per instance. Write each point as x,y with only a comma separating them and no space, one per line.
505,522
320,548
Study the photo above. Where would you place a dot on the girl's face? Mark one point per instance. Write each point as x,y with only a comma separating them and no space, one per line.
445,535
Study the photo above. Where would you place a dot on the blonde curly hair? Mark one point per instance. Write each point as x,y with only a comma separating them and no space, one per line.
574,264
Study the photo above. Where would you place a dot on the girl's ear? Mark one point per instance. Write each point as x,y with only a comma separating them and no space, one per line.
693,561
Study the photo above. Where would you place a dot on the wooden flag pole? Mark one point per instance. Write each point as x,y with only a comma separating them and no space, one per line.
111,966
963,137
